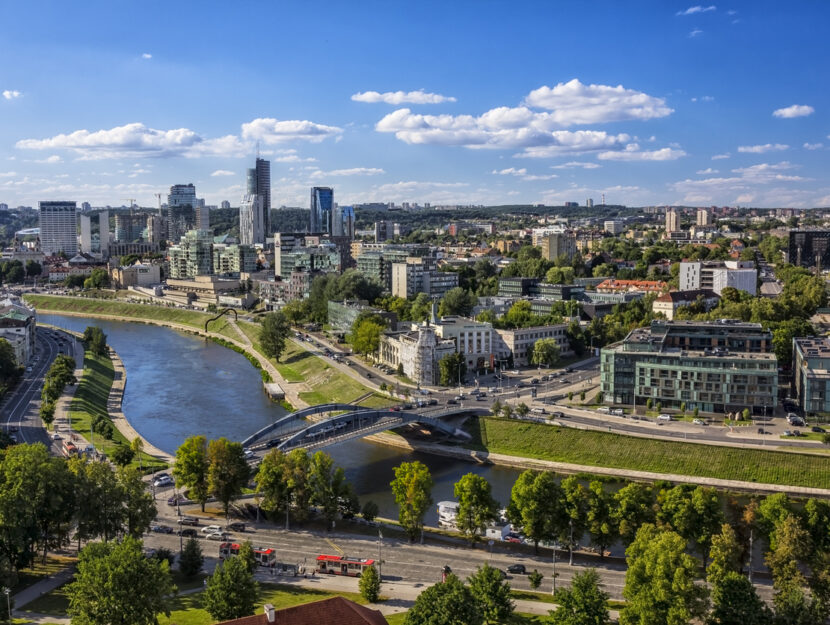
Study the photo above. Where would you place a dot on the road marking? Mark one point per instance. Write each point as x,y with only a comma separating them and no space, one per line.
335,547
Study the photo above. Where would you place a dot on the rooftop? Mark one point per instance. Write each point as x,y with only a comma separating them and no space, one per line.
813,346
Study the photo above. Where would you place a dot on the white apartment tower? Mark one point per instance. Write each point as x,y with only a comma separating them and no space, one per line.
672,221
58,228
251,226
704,217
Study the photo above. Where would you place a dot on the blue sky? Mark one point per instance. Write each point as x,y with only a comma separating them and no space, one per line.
446,102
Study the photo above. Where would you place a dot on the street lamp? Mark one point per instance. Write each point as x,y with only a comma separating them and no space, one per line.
380,554
8,592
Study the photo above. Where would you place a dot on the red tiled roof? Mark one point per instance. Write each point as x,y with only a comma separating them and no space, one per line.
334,611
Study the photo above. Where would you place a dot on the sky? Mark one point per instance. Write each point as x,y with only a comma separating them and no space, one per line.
462,102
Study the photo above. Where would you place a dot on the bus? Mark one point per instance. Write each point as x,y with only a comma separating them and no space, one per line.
69,449
265,556
343,565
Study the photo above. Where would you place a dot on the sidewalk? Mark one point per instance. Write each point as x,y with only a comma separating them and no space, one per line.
38,589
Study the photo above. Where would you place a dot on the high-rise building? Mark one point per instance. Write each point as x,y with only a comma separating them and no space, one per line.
589,203
58,228
251,228
809,248
202,217
192,256
129,227
342,221
614,226
85,206
225,204
672,221
182,195
555,242
322,203
259,183
704,217
181,210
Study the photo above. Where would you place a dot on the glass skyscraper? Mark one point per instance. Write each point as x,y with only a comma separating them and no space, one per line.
322,202
259,183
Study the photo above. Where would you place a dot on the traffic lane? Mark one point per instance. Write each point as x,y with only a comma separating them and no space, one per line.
21,401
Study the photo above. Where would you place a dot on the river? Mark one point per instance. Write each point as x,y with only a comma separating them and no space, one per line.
179,385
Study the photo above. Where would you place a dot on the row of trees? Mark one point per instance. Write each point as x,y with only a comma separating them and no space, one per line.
61,373
14,271
10,371
95,340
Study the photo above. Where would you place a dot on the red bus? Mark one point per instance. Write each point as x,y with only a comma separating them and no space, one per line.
342,565
265,556
69,449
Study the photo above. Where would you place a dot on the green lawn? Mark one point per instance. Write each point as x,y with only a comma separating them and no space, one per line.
603,449
90,401
38,572
378,401
54,603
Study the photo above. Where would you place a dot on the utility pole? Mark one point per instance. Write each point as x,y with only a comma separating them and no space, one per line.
380,554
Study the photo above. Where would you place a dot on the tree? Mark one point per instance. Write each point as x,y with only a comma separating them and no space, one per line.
272,481
634,506
191,468
476,506
369,584
545,352
492,594
694,513
660,580
535,578
115,584
33,268
725,555
447,603
191,559
231,591
365,336
139,505
296,311
412,488
273,333
735,602
228,471
457,301
122,455
247,556
369,511
575,501
98,279
100,510
522,409
601,523
584,603
452,368
327,485
95,340
536,506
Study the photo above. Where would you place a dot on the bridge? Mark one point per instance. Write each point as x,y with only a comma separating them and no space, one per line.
292,431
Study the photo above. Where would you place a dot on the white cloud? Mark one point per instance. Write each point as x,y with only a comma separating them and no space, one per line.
762,149
576,103
270,130
11,94
578,142
353,171
749,180
146,55
766,172
222,172
707,172
402,97
697,9
8,174
796,110
720,157
522,174
574,164
50,160
632,152
813,146
695,32
705,98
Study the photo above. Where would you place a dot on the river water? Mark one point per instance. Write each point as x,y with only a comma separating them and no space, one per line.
179,385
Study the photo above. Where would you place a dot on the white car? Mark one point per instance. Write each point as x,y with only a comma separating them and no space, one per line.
698,422
164,480
217,536
56,436
211,529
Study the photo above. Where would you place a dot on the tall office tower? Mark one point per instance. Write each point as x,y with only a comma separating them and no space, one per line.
225,204
104,233
86,234
347,221
672,221
259,183
589,203
182,195
704,217
322,202
181,210
155,228
203,217
85,206
58,228
251,228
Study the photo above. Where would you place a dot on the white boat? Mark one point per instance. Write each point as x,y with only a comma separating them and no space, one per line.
447,512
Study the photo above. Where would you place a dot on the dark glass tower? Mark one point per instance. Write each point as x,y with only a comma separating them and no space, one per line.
322,202
259,183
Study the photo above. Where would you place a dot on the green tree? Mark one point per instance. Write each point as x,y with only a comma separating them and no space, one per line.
100,508
273,333
457,301
191,559
412,488
452,368
535,579
231,591
33,268
9,369
545,352
476,506
369,585
772,511
421,307
139,506
447,603
369,511
725,555
584,603
492,593
536,507
735,602
522,409
191,468
660,581
816,517
296,311
328,485
696,513
228,471
98,279
601,522
365,336
247,556
634,506
575,502
273,482
115,584
122,455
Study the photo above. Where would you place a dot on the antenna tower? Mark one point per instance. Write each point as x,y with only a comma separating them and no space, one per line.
603,199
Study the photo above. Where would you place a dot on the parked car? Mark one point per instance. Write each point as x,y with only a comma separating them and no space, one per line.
817,429
517,569
698,422
236,527
210,529
664,417
161,529
761,431
160,482
188,520
188,532
218,536
248,453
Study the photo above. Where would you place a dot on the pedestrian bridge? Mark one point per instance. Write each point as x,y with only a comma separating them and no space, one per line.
293,431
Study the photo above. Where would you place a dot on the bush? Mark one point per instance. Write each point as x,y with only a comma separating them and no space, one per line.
369,511
535,579
191,560
369,585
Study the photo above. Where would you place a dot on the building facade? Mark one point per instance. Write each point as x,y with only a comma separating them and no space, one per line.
811,374
192,256
251,226
668,304
717,275
418,351
672,221
519,343
259,183
614,226
232,260
322,204
18,325
324,257
58,228
809,248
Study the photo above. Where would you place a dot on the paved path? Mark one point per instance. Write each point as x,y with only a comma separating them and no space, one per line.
38,589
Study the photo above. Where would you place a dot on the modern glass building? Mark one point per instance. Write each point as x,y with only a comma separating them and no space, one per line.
322,203
259,183
58,228
811,373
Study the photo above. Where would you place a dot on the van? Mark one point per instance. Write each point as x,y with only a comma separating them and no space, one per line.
604,410
538,411
618,412
664,417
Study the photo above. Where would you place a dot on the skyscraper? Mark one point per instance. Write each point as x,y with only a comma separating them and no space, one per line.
322,202
672,221
342,221
704,217
251,228
181,210
259,183
58,228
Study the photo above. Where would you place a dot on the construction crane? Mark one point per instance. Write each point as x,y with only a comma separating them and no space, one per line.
131,201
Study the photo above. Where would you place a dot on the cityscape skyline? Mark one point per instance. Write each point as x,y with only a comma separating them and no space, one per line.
648,104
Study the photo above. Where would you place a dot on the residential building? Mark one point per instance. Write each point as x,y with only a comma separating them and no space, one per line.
418,274
418,351
811,373
519,343
137,274
18,325
192,256
155,229
58,228
722,366
518,287
672,221
95,243
668,303
202,216
127,227
251,225
180,212
614,226
809,248
507,245
323,257
555,242
704,217
232,260
383,231
612,285
717,275
342,315
377,265
322,204
333,611
258,181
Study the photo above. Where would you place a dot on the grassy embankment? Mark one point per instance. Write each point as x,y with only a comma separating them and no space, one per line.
90,401
603,449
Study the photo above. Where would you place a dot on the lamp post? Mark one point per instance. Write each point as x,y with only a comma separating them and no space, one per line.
8,592
380,554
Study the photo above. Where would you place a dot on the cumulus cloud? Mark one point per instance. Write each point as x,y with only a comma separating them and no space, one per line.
146,55
632,152
270,130
575,164
746,181
720,157
796,110
576,103
353,171
522,174
11,94
697,9
695,32
762,149
50,159
8,174
222,172
813,146
402,97
707,172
